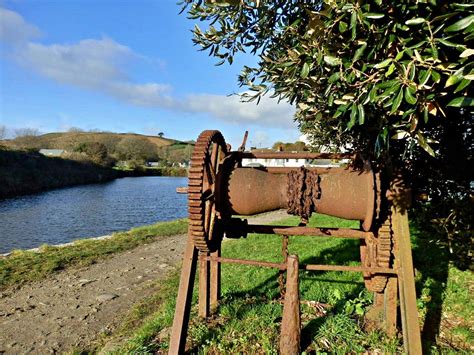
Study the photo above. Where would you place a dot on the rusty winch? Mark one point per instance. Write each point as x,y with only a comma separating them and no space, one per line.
220,189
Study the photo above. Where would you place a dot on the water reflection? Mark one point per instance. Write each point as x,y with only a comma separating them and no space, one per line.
64,215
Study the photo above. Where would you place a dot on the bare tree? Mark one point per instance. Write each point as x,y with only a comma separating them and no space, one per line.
3,132
26,132
75,130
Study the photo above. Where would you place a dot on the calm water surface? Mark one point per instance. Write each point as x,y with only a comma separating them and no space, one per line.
63,215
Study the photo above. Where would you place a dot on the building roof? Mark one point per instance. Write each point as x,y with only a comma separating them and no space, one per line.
52,152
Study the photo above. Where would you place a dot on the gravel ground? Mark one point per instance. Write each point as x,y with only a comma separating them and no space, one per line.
71,309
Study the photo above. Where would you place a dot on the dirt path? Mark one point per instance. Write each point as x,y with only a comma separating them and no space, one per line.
72,308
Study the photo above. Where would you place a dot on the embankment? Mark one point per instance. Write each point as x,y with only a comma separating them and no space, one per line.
24,173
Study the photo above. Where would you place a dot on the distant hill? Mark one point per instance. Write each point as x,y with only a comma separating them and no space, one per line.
68,140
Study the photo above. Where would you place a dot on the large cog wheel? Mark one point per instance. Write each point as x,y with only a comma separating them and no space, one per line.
209,151
377,252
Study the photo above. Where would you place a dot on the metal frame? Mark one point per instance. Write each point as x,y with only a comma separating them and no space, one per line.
399,291
400,287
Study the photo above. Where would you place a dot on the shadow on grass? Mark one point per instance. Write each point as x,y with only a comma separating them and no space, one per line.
243,303
432,262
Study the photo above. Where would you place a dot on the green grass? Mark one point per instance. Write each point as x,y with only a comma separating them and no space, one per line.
249,316
24,266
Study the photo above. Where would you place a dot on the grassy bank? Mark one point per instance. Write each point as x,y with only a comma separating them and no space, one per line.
24,266
28,172
250,315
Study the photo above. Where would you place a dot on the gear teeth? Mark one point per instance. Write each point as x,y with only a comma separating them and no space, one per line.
382,257
199,158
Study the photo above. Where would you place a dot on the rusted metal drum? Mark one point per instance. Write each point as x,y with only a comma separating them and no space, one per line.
344,193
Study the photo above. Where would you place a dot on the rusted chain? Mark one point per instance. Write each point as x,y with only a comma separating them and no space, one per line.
303,189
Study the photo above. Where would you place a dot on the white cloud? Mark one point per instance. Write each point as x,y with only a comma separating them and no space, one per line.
90,63
231,109
14,29
97,64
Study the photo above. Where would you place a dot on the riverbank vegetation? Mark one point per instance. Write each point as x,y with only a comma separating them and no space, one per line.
24,172
333,304
124,150
26,266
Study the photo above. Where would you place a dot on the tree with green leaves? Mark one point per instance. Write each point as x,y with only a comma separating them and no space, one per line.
136,149
390,79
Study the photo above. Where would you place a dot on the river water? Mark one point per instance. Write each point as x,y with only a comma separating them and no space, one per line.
67,214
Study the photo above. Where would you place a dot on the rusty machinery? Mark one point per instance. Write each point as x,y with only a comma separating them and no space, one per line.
220,188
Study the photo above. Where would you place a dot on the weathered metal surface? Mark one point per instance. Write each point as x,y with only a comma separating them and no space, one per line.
309,267
308,231
204,285
349,194
218,188
209,151
281,275
283,170
294,155
215,280
303,190
379,270
406,283
376,251
179,330
290,336
280,266
251,191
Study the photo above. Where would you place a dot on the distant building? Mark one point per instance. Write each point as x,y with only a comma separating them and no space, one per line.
291,162
152,164
52,152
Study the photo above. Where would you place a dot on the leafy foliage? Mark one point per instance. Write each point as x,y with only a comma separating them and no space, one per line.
135,148
360,72
391,79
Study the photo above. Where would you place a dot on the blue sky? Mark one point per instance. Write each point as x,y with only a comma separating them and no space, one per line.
122,66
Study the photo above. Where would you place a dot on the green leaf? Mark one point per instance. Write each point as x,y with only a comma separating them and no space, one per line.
359,52
461,24
436,76
463,84
383,64
467,53
461,101
423,76
398,100
449,44
409,98
360,109
334,77
351,123
415,21
453,79
353,24
390,70
401,135
333,61
342,26
424,144
305,70
373,15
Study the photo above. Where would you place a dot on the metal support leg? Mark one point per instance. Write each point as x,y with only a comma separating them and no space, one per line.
390,307
203,285
281,276
215,280
183,302
290,337
406,282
